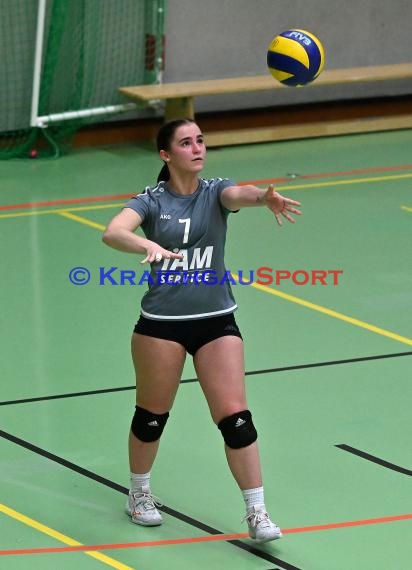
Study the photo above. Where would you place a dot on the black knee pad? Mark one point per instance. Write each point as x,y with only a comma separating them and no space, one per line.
147,426
238,430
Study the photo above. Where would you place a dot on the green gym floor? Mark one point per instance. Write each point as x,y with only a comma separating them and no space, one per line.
328,367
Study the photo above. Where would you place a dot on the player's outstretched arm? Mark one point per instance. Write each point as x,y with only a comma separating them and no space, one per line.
237,197
120,235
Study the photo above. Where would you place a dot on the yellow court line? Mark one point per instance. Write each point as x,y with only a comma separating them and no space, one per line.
59,210
288,187
331,313
406,209
81,220
340,316
287,297
344,182
61,537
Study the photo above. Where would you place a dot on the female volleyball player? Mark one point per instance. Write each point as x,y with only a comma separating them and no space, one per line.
184,220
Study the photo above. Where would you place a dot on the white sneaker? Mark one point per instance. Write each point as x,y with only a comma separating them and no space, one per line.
261,528
141,507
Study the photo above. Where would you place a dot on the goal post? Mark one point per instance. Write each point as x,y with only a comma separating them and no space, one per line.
80,52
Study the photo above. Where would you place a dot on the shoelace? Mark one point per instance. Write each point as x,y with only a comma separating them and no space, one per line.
256,518
149,501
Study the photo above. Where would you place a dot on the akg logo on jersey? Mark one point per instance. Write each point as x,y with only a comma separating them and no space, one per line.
165,217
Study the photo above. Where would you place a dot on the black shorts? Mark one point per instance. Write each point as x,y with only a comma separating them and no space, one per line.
192,334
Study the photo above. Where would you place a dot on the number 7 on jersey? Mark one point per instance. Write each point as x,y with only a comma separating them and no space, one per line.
186,222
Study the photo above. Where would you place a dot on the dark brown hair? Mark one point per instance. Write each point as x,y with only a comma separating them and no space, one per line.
164,139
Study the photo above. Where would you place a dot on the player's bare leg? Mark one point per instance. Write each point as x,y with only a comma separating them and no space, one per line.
158,364
220,369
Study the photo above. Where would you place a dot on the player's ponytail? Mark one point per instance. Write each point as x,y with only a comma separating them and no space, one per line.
164,174
164,139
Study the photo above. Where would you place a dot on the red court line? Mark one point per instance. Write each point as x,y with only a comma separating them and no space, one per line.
67,201
255,182
208,538
348,524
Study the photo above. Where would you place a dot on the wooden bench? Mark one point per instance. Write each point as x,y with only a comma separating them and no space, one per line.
179,102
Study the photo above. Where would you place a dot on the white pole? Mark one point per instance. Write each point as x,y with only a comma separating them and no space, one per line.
83,113
38,55
159,51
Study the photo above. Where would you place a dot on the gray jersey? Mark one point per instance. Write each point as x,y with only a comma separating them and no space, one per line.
195,226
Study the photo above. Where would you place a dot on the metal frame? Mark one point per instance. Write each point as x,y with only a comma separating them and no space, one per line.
45,120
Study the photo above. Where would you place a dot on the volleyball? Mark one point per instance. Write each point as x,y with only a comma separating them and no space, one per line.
295,57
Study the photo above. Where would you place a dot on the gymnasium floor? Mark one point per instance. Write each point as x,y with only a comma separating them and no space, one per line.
328,368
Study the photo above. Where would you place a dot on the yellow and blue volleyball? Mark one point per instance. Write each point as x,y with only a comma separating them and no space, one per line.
295,57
